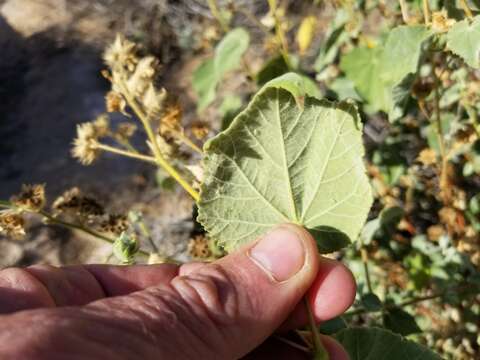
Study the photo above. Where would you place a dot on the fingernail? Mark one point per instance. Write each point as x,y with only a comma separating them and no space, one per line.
281,253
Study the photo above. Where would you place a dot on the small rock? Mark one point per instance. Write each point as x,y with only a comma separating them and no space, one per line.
30,17
11,253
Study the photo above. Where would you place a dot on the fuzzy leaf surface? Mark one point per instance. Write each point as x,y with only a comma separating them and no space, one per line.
377,344
281,163
464,40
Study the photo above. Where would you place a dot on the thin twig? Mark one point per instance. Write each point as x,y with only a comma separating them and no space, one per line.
466,9
364,255
403,7
52,219
108,148
426,12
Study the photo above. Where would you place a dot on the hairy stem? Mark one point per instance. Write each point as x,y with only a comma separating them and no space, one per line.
161,161
404,9
130,154
426,11
466,8
319,352
186,140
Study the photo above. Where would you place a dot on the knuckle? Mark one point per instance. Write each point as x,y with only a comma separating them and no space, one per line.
210,292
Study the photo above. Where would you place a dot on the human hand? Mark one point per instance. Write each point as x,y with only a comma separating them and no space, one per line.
223,310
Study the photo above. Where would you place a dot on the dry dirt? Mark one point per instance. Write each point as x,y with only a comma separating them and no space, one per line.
49,82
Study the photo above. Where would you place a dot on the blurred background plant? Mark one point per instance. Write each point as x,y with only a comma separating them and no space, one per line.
412,66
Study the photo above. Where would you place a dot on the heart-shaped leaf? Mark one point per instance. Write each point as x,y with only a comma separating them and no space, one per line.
282,163
378,344
464,40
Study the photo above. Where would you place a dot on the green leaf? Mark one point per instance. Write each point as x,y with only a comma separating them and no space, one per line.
298,85
227,57
273,68
463,39
401,59
379,344
229,51
204,83
229,108
401,322
279,163
125,247
403,52
362,66
371,302
384,75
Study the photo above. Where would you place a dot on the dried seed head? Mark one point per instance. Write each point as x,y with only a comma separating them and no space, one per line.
12,224
440,21
121,54
153,100
73,202
199,248
200,130
102,125
114,224
170,122
115,102
32,198
125,131
142,77
85,145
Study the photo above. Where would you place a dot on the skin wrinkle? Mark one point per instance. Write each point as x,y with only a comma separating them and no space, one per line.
13,277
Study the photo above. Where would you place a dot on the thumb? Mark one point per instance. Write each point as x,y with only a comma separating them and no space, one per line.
248,294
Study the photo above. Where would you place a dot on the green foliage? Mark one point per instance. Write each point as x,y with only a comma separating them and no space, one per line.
401,322
227,57
464,40
281,163
376,344
383,75
125,247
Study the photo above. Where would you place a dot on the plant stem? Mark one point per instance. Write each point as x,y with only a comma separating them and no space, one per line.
146,158
364,255
426,12
161,161
320,353
466,8
292,344
282,42
415,300
186,140
444,181
404,9
79,227
212,4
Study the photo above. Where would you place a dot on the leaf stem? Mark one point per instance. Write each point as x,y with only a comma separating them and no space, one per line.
364,255
108,148
320,353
